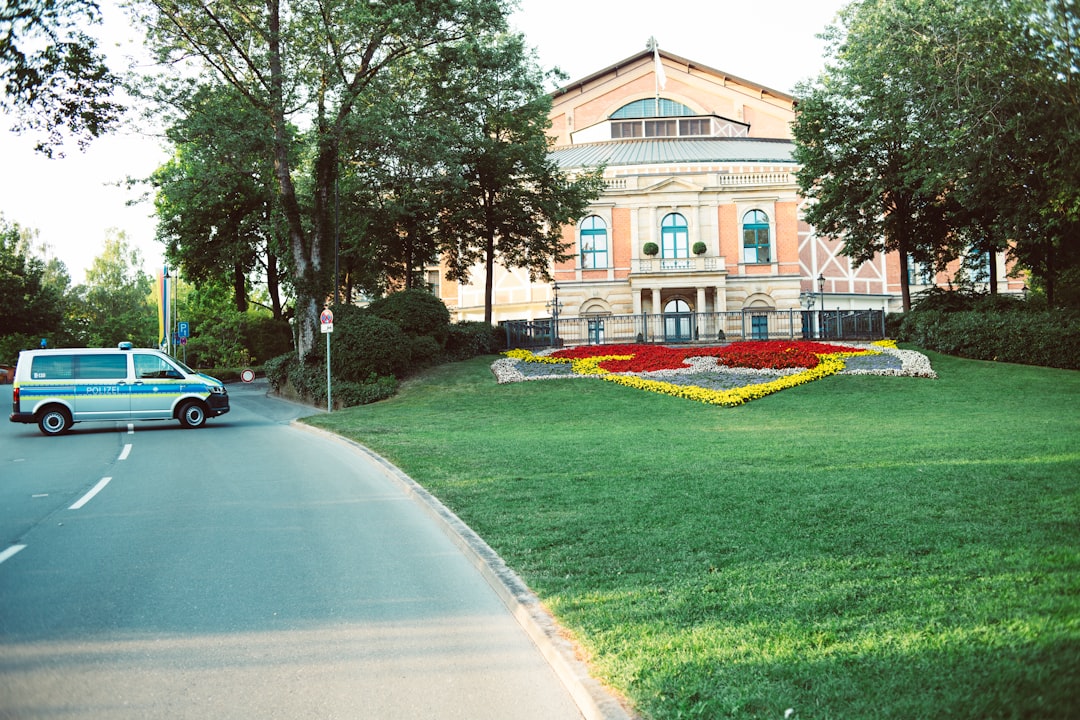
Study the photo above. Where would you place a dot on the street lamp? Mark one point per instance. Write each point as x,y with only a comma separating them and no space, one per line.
821,292
554,306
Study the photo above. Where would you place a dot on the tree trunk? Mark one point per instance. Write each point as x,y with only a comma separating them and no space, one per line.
993,279
273,284
305,265
489,275
240,288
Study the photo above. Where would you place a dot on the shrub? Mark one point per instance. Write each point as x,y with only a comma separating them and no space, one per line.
650,248
362,344
277,371
416,312
266,337
374,389
1006,332
699,248
469,339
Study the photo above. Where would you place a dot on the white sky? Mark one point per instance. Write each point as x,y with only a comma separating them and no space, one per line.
74,201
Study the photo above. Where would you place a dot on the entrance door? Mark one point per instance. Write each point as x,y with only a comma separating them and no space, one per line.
678,321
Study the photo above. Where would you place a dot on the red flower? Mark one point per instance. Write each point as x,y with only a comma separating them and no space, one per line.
756,354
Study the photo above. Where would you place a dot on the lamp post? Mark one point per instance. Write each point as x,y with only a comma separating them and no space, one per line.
554,306
821,292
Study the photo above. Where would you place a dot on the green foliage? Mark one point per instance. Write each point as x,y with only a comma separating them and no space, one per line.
29,303
363,344
995,331
993,327
940,126
116,304
215,198
469,339
308,380
650,248
416,312
52,74
699,248
287,60
505,199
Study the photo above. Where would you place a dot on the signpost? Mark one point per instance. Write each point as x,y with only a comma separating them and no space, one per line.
326,322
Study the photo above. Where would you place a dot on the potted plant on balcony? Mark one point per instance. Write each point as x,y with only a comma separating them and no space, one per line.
650,249
699,248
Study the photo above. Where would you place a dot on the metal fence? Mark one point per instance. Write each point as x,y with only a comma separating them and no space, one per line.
697,327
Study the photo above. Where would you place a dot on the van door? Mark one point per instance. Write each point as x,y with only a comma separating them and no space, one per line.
101,386
156,387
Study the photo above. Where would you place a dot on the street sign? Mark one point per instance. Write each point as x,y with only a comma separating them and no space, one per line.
326,321
183,330
248,375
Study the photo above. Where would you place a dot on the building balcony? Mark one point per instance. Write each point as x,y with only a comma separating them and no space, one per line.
653,266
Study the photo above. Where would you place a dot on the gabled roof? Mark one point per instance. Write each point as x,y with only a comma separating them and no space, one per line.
688,64
673,150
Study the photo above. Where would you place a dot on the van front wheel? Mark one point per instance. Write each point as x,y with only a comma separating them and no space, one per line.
54,421
193,415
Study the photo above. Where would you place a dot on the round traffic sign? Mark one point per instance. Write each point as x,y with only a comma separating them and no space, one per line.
327,317
248,375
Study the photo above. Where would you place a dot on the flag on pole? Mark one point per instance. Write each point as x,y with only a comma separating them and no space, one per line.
661,78
160,294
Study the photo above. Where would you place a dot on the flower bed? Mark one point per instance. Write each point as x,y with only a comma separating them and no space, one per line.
726,375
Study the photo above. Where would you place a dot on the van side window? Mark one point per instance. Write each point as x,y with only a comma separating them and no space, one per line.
53,367
101,367
149,367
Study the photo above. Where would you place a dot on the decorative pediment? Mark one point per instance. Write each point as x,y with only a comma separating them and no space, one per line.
673,184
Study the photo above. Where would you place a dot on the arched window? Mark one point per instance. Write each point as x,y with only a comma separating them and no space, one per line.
674,237
594,244
756,237
651,107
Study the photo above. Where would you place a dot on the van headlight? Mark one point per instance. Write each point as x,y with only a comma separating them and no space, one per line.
217,390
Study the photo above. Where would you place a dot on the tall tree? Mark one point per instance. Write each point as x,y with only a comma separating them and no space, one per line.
982,99
505,200
31,302
53,75
865,152
216,200
315,60
115,303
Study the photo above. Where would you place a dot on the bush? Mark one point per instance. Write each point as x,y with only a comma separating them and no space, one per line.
469,339
348,394
416,312
363,344
1002,330
266,337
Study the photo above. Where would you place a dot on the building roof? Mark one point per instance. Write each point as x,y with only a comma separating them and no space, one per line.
687,64
673,150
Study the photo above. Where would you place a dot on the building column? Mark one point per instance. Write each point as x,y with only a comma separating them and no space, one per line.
656,302
699,319
636,295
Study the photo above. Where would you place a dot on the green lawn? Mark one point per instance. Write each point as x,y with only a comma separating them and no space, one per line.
859,547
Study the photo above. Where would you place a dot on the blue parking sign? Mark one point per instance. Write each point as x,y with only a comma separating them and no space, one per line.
182,330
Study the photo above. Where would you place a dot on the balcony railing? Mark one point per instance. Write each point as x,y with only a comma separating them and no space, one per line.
704,328
688,264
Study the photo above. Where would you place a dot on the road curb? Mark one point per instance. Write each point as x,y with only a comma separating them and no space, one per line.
593,700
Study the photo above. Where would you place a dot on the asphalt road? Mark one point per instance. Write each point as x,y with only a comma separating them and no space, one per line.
246,569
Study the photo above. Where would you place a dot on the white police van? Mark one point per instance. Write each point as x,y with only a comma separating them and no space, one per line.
56,388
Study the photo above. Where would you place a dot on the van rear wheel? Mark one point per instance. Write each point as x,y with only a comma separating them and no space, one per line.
54,421
193,415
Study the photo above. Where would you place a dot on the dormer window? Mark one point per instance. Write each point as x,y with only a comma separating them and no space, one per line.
669,119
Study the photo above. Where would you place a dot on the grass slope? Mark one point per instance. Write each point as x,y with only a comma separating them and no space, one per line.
860,547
